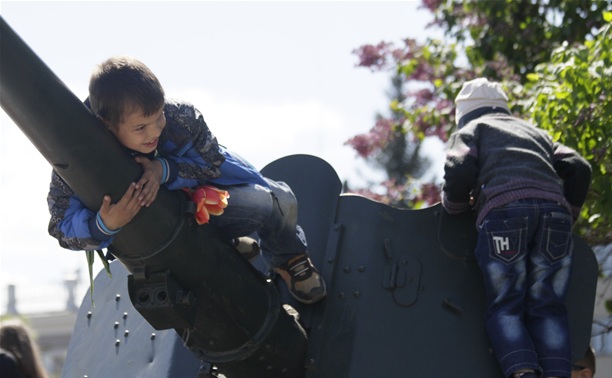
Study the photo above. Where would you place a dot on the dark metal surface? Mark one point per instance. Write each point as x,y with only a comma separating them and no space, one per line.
405,297
112,340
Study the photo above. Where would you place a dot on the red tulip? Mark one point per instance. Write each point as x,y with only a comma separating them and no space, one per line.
209,201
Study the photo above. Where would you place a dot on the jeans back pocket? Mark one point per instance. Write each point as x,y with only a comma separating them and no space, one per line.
556,237
507,238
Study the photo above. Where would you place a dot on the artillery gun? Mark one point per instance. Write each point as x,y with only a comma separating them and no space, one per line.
405,295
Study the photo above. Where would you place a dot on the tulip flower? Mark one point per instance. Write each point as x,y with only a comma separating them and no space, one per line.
209,201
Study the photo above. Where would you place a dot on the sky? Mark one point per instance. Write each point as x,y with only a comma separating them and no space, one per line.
271,78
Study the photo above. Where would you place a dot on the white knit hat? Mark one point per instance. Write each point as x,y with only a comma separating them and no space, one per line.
479,93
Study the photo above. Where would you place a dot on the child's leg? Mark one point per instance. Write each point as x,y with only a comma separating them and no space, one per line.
281,237
249,209
284,245
501,252
272,213
550,260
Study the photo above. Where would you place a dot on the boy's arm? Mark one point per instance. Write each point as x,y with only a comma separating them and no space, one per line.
460,173
198,158
575,172
72,224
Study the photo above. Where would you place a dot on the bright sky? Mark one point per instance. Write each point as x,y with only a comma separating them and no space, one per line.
271,78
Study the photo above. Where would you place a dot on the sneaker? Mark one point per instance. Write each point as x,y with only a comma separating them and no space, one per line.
304,282
248,247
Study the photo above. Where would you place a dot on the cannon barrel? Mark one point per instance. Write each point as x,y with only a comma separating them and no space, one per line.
183,276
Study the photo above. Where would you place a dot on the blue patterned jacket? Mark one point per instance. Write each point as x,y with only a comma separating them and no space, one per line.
191,156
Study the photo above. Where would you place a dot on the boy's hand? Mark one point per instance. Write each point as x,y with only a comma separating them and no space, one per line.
118,215
150,181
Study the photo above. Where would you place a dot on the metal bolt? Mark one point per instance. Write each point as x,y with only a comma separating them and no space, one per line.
88,314
116,325
126,333
357,294
362,268
153,336
124,315
198,352
117,297
347,269
117,342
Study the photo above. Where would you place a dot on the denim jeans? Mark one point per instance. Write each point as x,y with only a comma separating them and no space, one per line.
271,214
524,250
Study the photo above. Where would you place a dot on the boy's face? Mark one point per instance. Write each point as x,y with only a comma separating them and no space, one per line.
140,133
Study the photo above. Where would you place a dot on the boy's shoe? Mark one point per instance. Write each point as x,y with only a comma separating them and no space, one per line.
248,247
304,282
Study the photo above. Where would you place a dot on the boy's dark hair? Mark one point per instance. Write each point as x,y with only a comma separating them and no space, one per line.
121,85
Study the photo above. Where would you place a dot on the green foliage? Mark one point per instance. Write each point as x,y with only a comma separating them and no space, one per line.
522,31
550,57
608,306
90,261
571,96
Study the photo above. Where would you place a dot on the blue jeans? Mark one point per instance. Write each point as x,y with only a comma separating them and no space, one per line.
524,250
270,213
